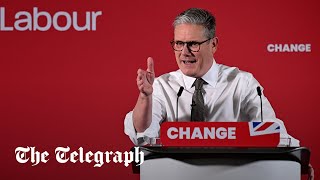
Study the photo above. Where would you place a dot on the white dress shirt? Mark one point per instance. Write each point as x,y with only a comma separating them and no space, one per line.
230,95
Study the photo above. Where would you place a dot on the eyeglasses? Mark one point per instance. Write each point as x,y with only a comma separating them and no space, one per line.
192,46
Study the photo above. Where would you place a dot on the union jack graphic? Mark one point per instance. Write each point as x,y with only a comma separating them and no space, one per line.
263,128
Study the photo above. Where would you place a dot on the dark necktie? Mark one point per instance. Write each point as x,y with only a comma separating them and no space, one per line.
198,108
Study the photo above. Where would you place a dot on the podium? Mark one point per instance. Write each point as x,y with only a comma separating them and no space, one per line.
202,163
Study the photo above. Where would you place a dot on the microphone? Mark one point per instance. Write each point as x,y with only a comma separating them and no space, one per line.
180,91
260,94
178,95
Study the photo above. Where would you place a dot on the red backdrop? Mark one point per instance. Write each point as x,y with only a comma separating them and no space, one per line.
74,88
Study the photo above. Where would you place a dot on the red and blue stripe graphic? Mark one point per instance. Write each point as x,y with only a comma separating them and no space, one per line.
263,128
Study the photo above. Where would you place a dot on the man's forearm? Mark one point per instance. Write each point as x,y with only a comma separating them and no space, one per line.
142,113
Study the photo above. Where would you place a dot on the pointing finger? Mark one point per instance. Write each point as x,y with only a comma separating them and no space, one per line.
150,65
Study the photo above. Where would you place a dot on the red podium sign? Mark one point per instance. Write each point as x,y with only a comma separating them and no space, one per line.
220,134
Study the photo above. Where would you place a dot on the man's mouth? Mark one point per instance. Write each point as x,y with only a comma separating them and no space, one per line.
189,61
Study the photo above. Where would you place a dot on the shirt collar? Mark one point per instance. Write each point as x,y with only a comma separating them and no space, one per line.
210,77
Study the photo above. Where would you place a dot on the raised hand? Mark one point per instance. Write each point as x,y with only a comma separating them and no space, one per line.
145,79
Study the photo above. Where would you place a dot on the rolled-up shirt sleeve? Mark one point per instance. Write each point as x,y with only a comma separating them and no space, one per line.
158,115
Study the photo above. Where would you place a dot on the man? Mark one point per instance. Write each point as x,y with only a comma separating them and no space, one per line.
212,92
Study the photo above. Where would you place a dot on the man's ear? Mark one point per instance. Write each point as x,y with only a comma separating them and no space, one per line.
215,41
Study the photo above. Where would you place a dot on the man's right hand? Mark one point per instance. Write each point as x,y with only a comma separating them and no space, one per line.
145,79
142,112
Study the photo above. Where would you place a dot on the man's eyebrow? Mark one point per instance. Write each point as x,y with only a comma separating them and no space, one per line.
193,42
187,41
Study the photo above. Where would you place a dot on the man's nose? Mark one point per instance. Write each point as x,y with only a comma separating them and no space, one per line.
186,50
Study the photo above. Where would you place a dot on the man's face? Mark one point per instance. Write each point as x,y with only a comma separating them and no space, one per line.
194,64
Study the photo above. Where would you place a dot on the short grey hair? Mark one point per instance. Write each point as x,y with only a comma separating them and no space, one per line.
200,17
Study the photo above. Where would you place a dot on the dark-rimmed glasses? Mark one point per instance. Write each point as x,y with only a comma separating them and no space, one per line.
192,46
